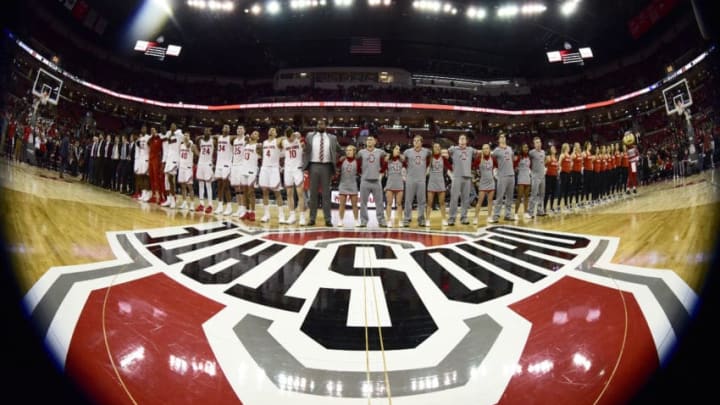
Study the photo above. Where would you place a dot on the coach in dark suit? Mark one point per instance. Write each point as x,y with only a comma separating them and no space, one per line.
319,158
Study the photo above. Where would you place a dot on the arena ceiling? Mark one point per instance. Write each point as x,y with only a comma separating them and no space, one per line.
246,45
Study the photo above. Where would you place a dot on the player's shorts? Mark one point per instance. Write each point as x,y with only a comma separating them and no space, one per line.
141,167
270,178
248,180
185,175
171,167
293,177
236,173
222,171
204,172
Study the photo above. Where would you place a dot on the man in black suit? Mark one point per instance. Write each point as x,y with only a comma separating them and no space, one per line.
319,159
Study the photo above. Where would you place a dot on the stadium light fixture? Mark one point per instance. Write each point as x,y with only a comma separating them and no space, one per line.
532,9
256,9
508,11
568,7
343,3
273,7
476,13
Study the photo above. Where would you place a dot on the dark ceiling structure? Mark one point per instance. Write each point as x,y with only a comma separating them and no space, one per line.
246,45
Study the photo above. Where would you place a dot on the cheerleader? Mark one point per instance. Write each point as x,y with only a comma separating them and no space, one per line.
439,166
551,178
565,169
588,176
349,168
576,175
394,185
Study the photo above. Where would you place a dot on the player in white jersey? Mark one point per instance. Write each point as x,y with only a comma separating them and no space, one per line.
171,151
236,172
223,162
188,151
204,171
141,165
292,148
249,168
270,174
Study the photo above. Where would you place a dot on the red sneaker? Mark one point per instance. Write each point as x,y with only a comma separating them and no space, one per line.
246,215
200,208
162,201
251,217
136,196
209,209
152,200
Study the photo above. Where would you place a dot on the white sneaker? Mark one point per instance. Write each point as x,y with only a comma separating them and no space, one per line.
291,219
237,214
492,220
427,223
167,202
191,207
444,222
302,221
528,216
475,221
265,218
146,196
241,211
228,210
219,209
184,206
340,224
172,203
357,223
281,218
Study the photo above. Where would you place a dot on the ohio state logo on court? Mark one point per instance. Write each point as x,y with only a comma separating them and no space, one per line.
310,315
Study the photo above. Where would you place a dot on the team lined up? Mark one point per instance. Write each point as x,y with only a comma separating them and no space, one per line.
533,178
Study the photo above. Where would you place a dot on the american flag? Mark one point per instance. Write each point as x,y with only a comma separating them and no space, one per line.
364,45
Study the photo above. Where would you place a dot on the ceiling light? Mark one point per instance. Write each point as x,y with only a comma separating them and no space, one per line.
508,11
569,7
273,7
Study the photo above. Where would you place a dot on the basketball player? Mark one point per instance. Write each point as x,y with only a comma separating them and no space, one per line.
204,171
292,149
439,165
187,151
223,162
417,160
371,181
349,168
462,157
173,139
236,170
486,167
251,153
537,179
394,184
503,155
522,168
142,182
270,175
155,169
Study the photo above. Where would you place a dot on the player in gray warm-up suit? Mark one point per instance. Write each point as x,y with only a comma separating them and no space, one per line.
370,166
462,157
503,154
537,178
416,160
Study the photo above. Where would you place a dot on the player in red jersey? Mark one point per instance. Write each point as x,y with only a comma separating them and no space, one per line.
155,167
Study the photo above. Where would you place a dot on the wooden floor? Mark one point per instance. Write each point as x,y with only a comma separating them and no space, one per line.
55,222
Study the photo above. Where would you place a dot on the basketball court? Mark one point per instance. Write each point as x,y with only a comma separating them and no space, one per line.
139,303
